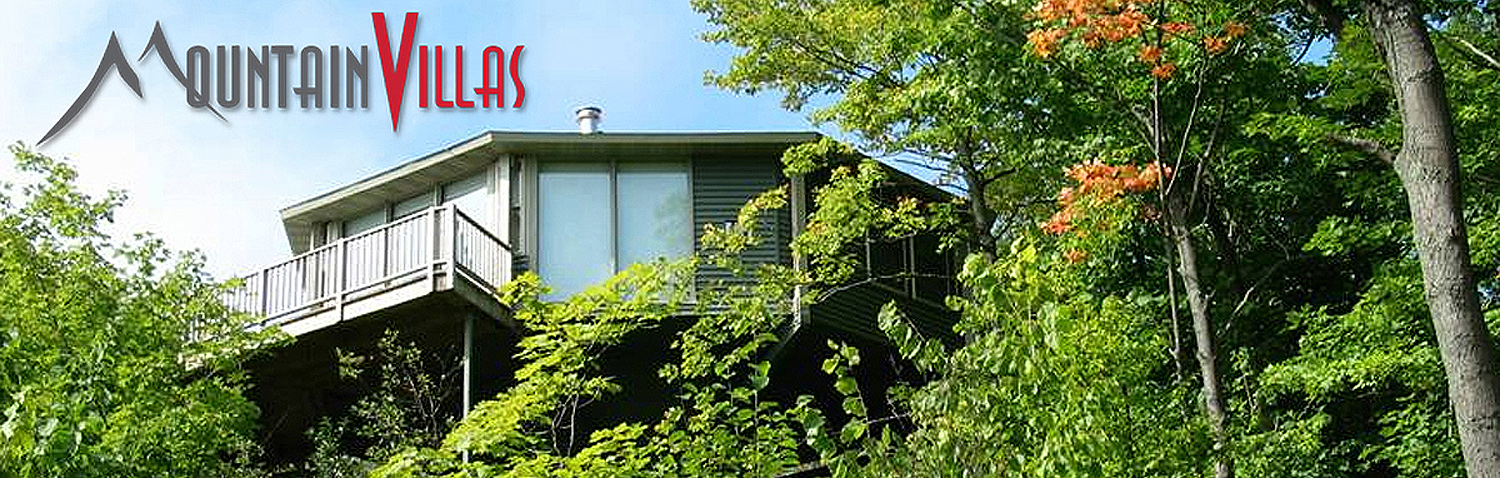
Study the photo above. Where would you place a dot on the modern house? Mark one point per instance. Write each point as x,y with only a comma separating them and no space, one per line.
420,248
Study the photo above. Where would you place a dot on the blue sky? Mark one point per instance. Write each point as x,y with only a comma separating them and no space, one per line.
216,186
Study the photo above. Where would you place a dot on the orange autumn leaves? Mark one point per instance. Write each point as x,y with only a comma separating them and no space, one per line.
1099,183
1100,22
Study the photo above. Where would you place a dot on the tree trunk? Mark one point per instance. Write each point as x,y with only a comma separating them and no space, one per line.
1203,332
981,216
1428,167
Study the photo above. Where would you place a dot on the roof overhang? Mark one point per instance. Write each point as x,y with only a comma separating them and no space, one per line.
456,161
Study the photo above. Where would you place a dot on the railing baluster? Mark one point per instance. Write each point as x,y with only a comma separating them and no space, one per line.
426,244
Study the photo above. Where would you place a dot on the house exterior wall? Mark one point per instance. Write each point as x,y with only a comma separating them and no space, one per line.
721,186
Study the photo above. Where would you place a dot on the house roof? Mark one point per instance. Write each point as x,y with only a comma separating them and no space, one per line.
462,158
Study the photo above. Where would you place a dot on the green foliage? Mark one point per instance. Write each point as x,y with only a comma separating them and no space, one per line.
116,359
404,408
941,86
1067,365
719,427
1381,351
1050,382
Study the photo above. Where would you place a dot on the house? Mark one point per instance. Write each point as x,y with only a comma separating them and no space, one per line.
420,247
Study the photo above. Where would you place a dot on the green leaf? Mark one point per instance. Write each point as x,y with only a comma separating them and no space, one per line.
846,385
854,406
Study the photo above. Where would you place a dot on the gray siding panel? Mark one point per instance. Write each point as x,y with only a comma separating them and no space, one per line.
721,186
855,311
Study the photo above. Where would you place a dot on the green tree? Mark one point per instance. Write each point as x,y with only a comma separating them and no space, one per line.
1365,390
115,359
1427,163
941,86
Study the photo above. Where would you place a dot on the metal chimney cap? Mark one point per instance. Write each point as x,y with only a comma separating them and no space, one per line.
588,118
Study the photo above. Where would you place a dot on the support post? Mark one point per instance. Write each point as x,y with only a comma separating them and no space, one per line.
468,399
799,262
435,257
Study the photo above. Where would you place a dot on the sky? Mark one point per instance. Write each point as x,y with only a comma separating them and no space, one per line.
216,185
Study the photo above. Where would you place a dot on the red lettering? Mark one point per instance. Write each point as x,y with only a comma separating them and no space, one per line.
498,91
438,67
458,78
515,75
422,85
394,74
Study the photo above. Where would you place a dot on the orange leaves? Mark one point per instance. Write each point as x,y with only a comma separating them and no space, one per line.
1214,45
1107,181
1101,183
1218,44
1099,23
1060,222
1149,54
1075,256
1235,29
1164,71
1176,28
1044,42
1128,23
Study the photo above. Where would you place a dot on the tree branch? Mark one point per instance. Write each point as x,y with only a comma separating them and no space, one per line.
1469,51
1328,16
1367,146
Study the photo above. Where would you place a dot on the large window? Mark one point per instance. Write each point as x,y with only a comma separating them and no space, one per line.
598,218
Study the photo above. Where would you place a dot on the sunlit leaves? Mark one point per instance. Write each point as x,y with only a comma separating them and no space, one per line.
116,358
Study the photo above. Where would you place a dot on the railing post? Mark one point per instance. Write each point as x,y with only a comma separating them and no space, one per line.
263,296
385,251
341,264
436,254
453,241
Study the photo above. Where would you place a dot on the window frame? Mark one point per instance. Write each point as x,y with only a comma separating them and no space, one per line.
531,201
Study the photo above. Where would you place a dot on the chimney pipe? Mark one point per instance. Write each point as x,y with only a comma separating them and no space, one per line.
588,118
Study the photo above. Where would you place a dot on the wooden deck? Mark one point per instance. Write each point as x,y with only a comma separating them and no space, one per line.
437,250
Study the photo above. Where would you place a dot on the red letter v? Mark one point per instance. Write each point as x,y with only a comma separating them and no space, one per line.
394,75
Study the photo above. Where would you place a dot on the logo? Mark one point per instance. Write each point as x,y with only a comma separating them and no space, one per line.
214,77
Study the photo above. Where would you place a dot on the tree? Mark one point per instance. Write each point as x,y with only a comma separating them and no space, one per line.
115,359
1071,362
1427,164
955,81
718,426
940,86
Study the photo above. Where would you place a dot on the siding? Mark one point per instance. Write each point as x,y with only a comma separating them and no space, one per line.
855,310
721,186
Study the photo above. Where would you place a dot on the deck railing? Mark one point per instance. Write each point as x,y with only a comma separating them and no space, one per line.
436,242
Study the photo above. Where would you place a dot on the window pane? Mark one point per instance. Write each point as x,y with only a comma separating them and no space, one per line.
364,222
653,213
411,206
573,249
472,197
